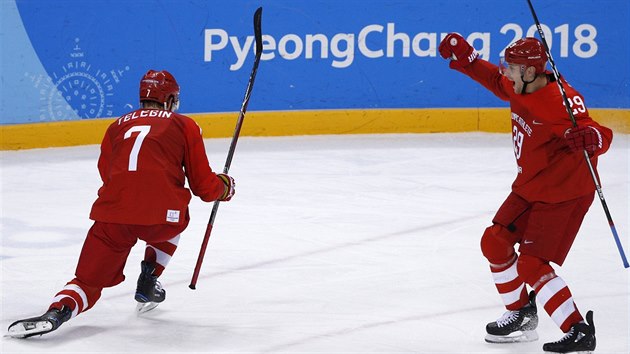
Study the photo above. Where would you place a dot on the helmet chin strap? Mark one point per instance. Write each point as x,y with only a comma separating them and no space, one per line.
171,105
525,83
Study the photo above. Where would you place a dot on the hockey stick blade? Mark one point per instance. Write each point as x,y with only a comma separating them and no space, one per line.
567,105
237,131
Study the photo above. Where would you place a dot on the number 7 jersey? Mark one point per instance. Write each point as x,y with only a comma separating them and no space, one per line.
146,156
547,170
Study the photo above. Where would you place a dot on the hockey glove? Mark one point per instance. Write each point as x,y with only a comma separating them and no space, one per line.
455,47
230,187
584,138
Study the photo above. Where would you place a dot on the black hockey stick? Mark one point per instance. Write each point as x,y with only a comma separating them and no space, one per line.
567,105
237,131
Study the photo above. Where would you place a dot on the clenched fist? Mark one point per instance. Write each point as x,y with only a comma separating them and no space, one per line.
456,48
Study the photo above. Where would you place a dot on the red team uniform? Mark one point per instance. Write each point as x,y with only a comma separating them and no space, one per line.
146,157
142,155
550,196
548,171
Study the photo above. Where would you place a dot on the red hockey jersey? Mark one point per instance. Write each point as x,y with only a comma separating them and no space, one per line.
548,171
146,156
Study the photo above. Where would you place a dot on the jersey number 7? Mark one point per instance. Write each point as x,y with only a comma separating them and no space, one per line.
142,131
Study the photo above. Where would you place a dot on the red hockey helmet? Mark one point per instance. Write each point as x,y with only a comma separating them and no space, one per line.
159,86
529,52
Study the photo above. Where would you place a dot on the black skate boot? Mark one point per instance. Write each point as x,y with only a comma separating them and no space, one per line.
579,339
43,324
149,292
515,326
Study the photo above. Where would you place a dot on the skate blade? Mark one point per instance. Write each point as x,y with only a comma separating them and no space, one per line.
516,337
24,329
143,307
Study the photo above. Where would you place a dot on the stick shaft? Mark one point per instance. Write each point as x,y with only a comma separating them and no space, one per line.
567,105
237,132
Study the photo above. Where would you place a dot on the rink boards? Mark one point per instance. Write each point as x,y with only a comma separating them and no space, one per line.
84,132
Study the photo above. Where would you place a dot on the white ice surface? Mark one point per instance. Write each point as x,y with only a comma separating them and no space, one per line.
332,244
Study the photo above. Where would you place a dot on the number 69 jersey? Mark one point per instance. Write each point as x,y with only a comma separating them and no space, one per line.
547,170
146,156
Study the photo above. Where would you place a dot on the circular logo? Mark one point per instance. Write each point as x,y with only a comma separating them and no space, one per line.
82,91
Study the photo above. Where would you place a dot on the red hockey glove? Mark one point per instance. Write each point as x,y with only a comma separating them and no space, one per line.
230,187
455,47
584,138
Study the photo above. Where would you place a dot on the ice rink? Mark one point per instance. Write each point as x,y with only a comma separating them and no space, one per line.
332,244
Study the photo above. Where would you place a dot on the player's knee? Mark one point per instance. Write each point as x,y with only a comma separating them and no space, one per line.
495,246
532,269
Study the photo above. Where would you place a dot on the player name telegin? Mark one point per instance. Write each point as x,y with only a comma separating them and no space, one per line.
145,113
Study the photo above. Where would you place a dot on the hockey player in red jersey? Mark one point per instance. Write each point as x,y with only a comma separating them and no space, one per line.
146,156
552,191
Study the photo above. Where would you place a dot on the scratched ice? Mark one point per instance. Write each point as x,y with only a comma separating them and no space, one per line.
333,244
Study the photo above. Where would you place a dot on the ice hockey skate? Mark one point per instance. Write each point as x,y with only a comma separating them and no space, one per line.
515,326
149,292
43,324
579,339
